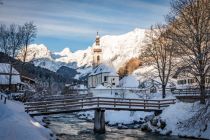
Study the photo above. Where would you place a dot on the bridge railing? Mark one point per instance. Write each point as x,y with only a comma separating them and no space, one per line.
96,102
189,91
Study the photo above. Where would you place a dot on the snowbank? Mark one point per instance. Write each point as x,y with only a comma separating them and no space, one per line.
126,117
100,87
15,124
129,81
119,117
177,115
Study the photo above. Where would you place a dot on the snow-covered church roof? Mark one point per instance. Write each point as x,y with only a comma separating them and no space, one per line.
4,74
102,68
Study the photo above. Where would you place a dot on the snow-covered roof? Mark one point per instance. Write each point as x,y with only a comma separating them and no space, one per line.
4,74
102,68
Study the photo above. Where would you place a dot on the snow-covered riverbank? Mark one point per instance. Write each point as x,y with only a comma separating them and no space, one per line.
15,124
178,121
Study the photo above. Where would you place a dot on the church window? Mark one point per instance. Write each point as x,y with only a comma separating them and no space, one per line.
98,58
105,78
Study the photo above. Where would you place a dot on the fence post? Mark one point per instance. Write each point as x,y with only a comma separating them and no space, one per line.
144,104
5,100
46,107
114,102
129,103
159,104
98,101
82,102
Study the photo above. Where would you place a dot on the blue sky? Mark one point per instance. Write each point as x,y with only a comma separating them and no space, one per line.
74,23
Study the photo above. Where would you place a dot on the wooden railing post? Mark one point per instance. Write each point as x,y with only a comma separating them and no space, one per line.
46,107
114,102
5,100
98,101
159,104
144,104
82,102
129,103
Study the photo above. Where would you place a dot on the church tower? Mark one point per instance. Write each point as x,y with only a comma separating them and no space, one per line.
97,52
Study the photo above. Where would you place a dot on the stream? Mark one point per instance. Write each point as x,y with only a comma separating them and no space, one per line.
69,127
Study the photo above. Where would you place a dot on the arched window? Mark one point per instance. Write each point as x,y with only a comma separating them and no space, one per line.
98,58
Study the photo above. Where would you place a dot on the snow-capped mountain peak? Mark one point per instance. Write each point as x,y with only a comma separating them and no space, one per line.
116,50
64,52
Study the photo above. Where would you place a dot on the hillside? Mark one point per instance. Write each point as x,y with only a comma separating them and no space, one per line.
30,70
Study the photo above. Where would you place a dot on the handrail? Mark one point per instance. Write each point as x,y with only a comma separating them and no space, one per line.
85,98
105,102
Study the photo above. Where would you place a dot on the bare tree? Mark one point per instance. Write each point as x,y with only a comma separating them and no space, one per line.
189,28
15,39
4,39
159,52
15,43
29,32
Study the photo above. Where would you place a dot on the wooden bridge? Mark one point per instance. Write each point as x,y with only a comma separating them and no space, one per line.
99,104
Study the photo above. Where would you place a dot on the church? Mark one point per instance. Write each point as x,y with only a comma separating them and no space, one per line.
101,73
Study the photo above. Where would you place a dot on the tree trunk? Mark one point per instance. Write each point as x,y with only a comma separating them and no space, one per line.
202,90
163,91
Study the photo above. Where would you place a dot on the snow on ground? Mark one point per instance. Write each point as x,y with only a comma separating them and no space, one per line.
16,124
129,81
177,115
126,117
100,87
117,117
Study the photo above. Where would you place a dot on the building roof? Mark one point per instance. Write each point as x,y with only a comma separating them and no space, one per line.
5,72
102,68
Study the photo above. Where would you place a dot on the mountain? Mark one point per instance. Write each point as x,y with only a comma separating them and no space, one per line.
29,70
66,72
117,50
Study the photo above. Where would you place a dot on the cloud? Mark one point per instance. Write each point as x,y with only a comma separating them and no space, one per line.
64,18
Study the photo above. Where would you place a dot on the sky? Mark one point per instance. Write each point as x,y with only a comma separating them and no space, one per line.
73,23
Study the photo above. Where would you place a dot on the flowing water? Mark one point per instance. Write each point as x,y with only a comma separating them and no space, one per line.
69,127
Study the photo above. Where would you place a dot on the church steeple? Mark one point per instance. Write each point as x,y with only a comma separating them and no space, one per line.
97,52
97,40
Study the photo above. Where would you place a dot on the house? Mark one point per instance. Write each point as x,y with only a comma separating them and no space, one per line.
5,76
101,73
186,80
